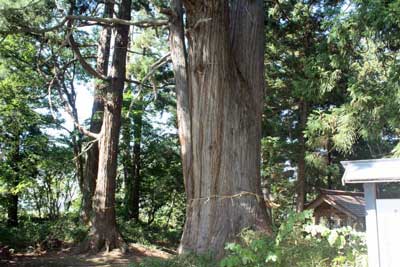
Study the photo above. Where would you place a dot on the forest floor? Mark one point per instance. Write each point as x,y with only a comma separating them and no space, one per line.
68,258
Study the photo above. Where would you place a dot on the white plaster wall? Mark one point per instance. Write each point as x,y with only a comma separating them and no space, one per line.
388,213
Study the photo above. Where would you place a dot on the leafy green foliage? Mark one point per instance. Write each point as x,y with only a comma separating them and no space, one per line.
304,74
33,231
17,15
298,243
189,260
156,234
365,38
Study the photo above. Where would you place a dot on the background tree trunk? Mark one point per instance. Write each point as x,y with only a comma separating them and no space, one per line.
329,161
137,140
13,198
104,228
91,166
226,81
12,210
180,68
301,165
127,163
132,176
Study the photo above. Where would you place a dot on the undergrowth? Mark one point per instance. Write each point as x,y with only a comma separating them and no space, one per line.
297,243
188,260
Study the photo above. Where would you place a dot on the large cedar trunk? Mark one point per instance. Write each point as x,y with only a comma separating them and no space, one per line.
104,228
222,121
92,161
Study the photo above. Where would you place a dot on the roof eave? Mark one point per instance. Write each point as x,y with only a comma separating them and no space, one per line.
370,180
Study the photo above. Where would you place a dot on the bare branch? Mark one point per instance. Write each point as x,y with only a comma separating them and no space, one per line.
35,30
168,12
86,66
145,23
143,54
68,110
115,21
153,68
156,65
133,81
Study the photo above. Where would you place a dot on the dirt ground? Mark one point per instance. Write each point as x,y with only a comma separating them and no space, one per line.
67,258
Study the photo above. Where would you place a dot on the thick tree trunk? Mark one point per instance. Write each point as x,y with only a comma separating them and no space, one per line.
180,68
104,228
301,164
222,113
92,162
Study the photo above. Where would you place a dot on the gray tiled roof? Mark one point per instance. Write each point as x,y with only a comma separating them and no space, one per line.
351,202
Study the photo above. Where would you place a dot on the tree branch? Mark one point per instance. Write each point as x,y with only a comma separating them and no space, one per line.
86,66
145,23
36,30
153,68
164,59
115,21
67,108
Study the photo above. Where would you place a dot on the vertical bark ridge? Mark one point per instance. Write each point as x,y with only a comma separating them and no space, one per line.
183,95
104,229
226,84
92,161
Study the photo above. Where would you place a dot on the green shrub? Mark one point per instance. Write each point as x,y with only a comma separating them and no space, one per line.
150,235
298,243
188,260
27,234
30,233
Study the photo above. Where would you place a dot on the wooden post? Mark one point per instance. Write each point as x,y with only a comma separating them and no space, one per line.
371,225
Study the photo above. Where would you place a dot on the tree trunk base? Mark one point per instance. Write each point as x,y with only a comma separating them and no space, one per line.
107,241
213,222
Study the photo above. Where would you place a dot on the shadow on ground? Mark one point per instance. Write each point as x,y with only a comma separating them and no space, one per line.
67,258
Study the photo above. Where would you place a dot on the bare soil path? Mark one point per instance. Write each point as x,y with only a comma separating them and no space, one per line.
67,258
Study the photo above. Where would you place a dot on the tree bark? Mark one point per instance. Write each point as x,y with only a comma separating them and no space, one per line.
92,161
180,68
104,228
13,198
133,164
127,163
12,210
220,118
137,140
329,161
301,165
